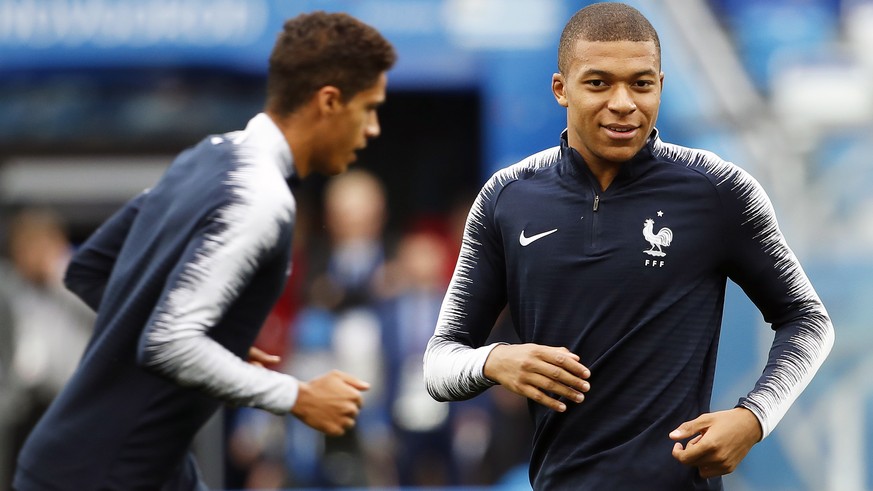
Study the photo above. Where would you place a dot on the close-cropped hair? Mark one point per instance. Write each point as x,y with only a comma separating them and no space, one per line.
605,21
321,49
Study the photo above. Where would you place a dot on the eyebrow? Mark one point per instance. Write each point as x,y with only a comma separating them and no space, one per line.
604,73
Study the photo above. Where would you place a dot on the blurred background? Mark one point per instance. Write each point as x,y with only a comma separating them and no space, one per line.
97,97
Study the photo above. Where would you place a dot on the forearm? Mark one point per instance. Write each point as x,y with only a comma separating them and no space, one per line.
454,371
198,361
798,350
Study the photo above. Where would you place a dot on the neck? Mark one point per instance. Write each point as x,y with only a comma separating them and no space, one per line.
605,174
297,132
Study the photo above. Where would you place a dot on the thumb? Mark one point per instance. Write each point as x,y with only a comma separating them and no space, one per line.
688,429
354,381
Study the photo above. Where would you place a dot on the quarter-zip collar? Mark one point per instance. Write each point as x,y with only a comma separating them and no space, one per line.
573,163
262,132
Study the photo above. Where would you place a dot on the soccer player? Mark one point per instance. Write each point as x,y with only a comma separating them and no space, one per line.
615,282
183,276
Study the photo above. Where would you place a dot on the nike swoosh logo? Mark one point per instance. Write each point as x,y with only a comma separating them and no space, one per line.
526,241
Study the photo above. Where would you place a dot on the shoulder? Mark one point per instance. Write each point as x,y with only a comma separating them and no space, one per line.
254,177
522,170
740,194
254,199
723,175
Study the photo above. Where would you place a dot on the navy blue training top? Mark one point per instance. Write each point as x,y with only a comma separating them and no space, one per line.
632,279
182,279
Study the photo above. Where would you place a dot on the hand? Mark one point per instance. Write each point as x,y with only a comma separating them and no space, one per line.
260,358
330,403
721,440
538,372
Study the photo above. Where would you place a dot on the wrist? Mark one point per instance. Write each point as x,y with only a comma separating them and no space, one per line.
754,424
490,368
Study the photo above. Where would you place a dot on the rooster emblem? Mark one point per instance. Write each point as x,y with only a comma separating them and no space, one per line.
661,239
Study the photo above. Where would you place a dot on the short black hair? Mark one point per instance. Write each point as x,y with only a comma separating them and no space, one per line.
319,49
605,21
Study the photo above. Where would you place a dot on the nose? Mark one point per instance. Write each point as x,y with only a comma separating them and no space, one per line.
621,101
372,129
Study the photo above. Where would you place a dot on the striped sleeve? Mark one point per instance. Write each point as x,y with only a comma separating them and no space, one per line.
455,356
763,265
217,266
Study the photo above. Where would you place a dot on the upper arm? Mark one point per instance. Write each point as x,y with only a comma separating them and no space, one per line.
91,266
760,260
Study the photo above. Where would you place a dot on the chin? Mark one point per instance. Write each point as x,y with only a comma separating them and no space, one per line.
618,157
339,169
623,154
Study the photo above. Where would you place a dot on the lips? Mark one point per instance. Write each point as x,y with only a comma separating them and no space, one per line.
621,131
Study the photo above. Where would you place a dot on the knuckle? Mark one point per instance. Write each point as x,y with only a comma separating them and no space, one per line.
549,386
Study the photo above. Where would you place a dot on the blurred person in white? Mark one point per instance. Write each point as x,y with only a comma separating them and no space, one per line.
340,327
355,218
48,325
423,428
8,392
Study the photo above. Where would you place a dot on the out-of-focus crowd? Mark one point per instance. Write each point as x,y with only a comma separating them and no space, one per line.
43,327
360,298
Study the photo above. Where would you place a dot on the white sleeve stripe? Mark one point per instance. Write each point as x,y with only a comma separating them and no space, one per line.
176,344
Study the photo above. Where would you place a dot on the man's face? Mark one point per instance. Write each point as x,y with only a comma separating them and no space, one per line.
612,92
350,126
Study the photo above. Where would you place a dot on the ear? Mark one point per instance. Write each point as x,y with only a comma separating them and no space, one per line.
558,89
329,99
662,82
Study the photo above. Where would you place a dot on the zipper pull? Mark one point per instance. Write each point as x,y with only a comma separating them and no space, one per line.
596,201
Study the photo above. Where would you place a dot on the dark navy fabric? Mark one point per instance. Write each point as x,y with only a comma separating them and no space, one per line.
632,279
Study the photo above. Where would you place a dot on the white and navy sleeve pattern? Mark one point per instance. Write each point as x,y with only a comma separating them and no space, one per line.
216,267
760,261
455,356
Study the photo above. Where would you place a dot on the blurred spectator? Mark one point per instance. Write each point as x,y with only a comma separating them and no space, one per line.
334,326
8,392
355,218
423,427
49,325
347,279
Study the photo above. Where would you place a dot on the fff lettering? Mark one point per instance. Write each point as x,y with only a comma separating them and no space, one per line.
654,263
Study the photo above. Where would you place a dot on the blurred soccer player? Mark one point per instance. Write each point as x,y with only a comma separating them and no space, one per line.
183,276
612,251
